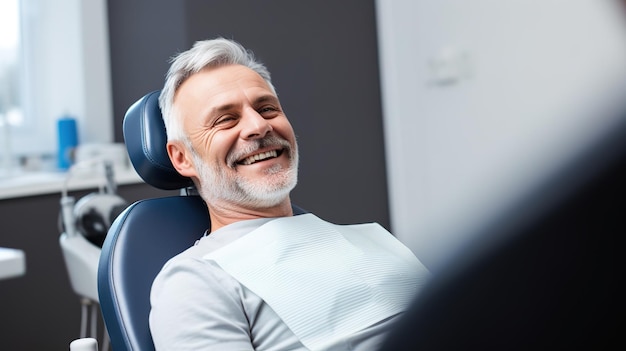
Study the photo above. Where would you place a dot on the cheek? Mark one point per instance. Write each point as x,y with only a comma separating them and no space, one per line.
213,145
201,142
284,129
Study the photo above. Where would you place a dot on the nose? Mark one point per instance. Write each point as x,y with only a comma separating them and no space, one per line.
254,126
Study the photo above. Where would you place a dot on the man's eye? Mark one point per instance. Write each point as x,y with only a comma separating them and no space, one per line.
268,111
224,120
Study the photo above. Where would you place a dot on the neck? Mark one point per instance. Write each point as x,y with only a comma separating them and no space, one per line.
225,214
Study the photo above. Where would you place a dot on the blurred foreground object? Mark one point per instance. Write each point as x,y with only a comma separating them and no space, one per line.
546,274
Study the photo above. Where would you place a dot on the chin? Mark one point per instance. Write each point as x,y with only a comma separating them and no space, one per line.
260,196
268,192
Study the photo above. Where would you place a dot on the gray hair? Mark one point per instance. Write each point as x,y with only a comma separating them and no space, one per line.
206,53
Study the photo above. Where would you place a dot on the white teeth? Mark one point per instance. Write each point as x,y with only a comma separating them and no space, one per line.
259,157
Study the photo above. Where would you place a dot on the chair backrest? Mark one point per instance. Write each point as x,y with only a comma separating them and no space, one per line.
148,232
140,241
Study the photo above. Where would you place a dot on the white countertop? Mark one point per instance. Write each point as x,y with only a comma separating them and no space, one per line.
12,263
39,183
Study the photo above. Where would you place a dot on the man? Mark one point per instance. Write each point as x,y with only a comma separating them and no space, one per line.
263,279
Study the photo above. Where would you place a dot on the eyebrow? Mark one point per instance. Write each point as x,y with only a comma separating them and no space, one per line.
227,107
220,109
265,98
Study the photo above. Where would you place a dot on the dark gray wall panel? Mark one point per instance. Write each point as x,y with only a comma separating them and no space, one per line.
323,57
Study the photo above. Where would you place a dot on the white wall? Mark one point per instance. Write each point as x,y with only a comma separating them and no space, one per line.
482,99
66,71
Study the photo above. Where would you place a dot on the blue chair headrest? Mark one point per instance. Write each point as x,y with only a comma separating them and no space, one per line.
145,138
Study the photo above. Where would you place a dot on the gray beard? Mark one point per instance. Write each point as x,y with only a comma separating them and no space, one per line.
217,186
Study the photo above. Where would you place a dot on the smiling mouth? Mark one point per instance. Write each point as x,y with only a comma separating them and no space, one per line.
260,157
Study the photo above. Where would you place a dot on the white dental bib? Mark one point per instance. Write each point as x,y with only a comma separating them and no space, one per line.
325,281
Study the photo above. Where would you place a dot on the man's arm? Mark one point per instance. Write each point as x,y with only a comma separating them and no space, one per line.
196,305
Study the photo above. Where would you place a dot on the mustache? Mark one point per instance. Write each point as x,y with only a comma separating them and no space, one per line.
250,147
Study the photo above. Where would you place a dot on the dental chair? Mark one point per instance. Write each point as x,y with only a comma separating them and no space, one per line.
148,232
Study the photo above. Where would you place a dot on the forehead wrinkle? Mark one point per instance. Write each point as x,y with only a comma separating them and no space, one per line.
266,98
223,89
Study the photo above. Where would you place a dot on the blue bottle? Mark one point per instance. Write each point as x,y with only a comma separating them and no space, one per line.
68,140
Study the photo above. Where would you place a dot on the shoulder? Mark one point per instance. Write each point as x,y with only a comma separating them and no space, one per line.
194,301
189,274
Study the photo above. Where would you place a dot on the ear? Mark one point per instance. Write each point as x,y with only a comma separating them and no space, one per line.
181,159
